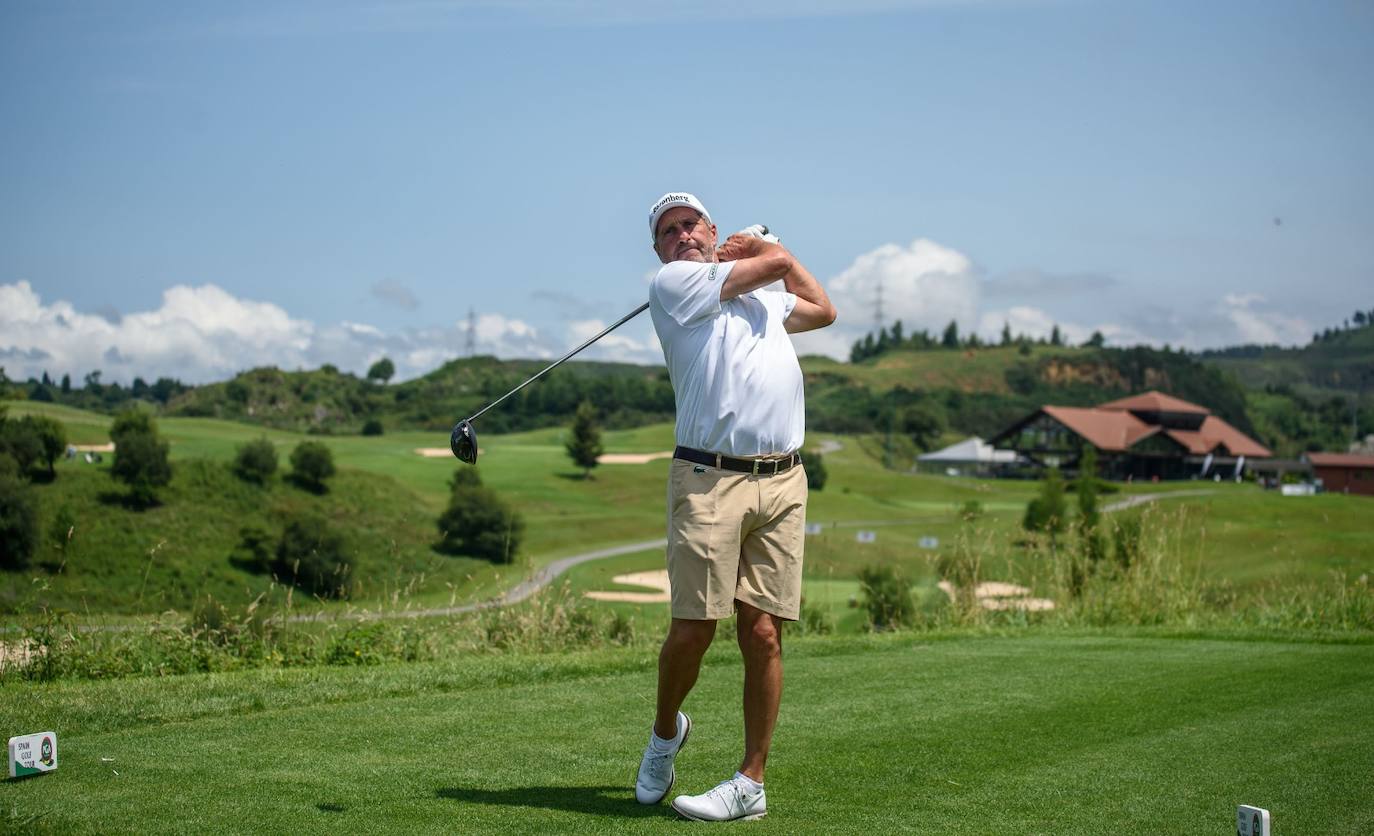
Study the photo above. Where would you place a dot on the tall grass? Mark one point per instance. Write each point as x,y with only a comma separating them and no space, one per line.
1155,576
216,638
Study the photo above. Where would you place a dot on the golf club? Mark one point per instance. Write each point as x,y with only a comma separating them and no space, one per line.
463,440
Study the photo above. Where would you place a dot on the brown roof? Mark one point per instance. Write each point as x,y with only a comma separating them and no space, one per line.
1154,401
1340,460
1215,433
1118,431
1106,430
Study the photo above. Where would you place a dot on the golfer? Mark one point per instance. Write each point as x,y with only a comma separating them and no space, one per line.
737,492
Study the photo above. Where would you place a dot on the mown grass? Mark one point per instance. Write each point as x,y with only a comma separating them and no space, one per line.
946,733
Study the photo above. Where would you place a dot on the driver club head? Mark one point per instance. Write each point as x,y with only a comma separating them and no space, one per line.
463,442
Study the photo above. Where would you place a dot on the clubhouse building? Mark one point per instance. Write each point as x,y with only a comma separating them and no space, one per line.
1148,436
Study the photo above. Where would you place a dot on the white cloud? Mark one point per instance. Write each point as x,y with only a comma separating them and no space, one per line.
924,284
204,333
617,345
198,333
1263,327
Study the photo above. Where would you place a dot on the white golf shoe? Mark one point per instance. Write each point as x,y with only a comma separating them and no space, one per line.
730,800
656,772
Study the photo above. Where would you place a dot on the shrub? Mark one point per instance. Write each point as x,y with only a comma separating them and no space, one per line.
372,426
311,464
313,557
140,461
256,461
254,550
816,474
887,597
18,523
1048,512
478,523
971,511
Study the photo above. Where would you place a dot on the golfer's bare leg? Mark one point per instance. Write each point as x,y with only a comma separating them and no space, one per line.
760,641
679,662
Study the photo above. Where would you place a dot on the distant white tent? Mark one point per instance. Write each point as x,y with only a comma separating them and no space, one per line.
971,455
972,450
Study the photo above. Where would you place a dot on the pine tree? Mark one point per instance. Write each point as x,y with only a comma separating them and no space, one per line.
584,442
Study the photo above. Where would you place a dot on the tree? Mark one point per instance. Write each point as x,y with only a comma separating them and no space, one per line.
897,334
256,461
1094,545
52,437
312,463
584,440
140,461
66,384
382,370
18,523
1056,338
20,442
1096,340
478,523
816,475
951,335
922,424
1006,333
373,426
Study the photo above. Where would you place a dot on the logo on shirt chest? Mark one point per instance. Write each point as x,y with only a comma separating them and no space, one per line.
711,274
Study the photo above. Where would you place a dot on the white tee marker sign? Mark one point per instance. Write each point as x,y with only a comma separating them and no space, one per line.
33,754
1252,821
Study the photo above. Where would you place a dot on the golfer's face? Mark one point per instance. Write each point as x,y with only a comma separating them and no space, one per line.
684,235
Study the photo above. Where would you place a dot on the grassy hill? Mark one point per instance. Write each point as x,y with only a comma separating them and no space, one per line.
951,733
329,401
387,497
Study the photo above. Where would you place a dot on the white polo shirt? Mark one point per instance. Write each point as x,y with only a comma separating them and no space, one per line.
735,375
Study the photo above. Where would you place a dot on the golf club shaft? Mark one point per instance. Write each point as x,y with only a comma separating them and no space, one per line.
624,319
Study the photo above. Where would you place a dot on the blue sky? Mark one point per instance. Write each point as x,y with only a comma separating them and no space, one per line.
191,189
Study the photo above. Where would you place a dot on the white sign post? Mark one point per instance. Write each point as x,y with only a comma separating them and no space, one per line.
33,754
866,537
1252,821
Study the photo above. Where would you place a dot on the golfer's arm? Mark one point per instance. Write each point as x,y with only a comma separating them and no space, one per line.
813,309
756,271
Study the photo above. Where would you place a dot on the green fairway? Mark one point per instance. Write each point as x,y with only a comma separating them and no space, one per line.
1044,733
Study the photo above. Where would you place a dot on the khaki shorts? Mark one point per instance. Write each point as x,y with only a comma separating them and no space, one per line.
735,537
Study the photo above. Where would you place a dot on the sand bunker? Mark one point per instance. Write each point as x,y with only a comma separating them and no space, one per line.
107,447
995,595
632,458
606,458
657,579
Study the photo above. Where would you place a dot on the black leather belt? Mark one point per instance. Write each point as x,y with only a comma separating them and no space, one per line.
758,467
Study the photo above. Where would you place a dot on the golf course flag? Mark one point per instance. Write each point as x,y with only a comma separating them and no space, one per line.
33,754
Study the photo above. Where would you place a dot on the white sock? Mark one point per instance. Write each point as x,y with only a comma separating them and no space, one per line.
659,743
749,783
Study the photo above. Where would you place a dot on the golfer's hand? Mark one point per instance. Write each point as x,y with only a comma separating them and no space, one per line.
748,242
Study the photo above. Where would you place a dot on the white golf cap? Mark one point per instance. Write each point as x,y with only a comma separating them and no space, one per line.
668,201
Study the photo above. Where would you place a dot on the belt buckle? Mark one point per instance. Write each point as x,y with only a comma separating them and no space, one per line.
756,466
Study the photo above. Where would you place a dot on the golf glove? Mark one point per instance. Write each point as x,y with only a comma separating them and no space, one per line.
759,231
